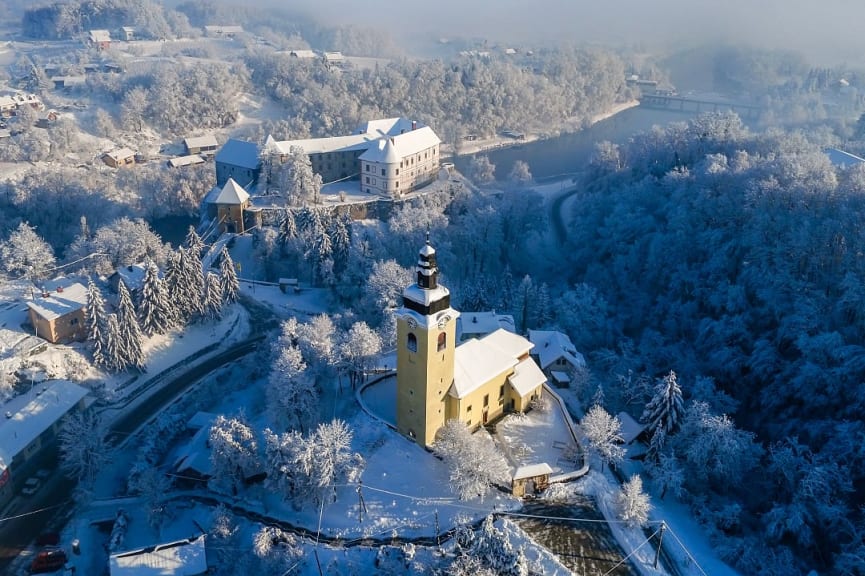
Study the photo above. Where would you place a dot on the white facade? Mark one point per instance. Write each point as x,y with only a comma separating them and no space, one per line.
396,165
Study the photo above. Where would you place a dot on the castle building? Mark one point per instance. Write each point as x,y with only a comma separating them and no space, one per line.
437,381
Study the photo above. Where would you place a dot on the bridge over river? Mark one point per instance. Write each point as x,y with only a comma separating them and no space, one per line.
693,106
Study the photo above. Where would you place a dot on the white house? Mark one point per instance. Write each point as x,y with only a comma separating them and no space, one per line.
556,355
479,324
396,165
180,558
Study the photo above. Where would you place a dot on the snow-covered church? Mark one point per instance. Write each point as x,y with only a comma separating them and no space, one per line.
437,381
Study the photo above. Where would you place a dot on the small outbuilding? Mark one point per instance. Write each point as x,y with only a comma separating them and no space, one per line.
183,557
57,311
206,145
181,161
119,158
99,39
531,479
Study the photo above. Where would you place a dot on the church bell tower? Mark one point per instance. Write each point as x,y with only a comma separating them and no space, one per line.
426,339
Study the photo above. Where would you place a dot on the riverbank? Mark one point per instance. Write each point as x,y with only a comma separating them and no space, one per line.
572,125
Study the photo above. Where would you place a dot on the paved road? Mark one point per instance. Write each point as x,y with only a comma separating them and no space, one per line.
559,228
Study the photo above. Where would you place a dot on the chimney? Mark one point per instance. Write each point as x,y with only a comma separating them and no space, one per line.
414,124
45,293
59,289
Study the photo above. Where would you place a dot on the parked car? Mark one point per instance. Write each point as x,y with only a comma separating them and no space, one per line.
48,560
31,486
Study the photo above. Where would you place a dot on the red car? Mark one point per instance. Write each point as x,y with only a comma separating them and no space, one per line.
48,539
48,560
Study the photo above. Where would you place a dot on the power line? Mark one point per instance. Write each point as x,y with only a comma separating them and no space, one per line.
690,557
34,512
634,551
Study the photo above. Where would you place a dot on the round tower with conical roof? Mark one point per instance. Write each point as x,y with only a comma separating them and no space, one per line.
426,339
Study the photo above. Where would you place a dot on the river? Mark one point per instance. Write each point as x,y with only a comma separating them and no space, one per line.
569,153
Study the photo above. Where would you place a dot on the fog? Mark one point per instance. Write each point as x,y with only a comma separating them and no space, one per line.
829,31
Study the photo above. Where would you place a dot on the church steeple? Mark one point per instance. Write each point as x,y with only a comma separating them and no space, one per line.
426,296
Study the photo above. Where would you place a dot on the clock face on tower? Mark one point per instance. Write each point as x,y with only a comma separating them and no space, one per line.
411,323
443,321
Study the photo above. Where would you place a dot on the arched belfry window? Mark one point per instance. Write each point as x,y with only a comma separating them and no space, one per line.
411,342
443,341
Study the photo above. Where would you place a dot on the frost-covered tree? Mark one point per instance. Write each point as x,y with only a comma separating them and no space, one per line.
277,551
228,277
193,279
154,307
339,232
130,332
193,241
113,353
233,452
317,342
288,463
213,298
358,350
152,485
496,553
386,283
96,322
603,432
123,242
664,412
292,397
334,461
667,474
25,253
83,451
481,170
470,477
632,503
520,174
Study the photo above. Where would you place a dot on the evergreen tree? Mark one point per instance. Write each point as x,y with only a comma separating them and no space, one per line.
175,289
154,309
193,275
130,332
96,331
115,360
664,411
194,243
287,227
340,240
212,296
228,277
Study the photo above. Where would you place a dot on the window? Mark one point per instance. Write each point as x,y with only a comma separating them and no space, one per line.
74,321
468,409
367,167
443,341
486,400
411,342
502,391
397,170
367,179
397,183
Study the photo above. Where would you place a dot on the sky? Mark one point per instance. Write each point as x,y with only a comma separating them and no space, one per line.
827,31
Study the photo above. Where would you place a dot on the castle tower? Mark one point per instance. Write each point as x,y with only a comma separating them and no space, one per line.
426,339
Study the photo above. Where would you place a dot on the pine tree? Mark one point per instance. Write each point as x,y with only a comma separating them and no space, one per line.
664,411
130,332
287,227
154,309
193,275
96,331
194,243
174,289
115,360
212,296
340,240
228,278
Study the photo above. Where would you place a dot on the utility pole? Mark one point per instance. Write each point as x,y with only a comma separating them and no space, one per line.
660,542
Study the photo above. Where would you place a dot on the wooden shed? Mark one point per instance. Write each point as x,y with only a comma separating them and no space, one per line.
531,479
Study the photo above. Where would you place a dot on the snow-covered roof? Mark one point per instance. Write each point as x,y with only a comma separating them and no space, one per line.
423,295
476,324
189,160
302,53
511,344
406,144
323,145
34,412
200,141
842,159
532,470
132,275
239,153
334,56
630,428
232,193
526,377
120,154
100,36
180,558
559,376
387,126
61,300
550,345
195,456
215,29
475,364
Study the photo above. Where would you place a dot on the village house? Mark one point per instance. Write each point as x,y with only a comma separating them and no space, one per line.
479,324
99,39
56,311
28,430
119,158
187,557
204,145
127,33
10,103
556,355
62,82
475,382
237,160
131,275
334,59
182,161
302,54
531,479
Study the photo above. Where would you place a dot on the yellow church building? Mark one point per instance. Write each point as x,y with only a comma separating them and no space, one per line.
437,381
